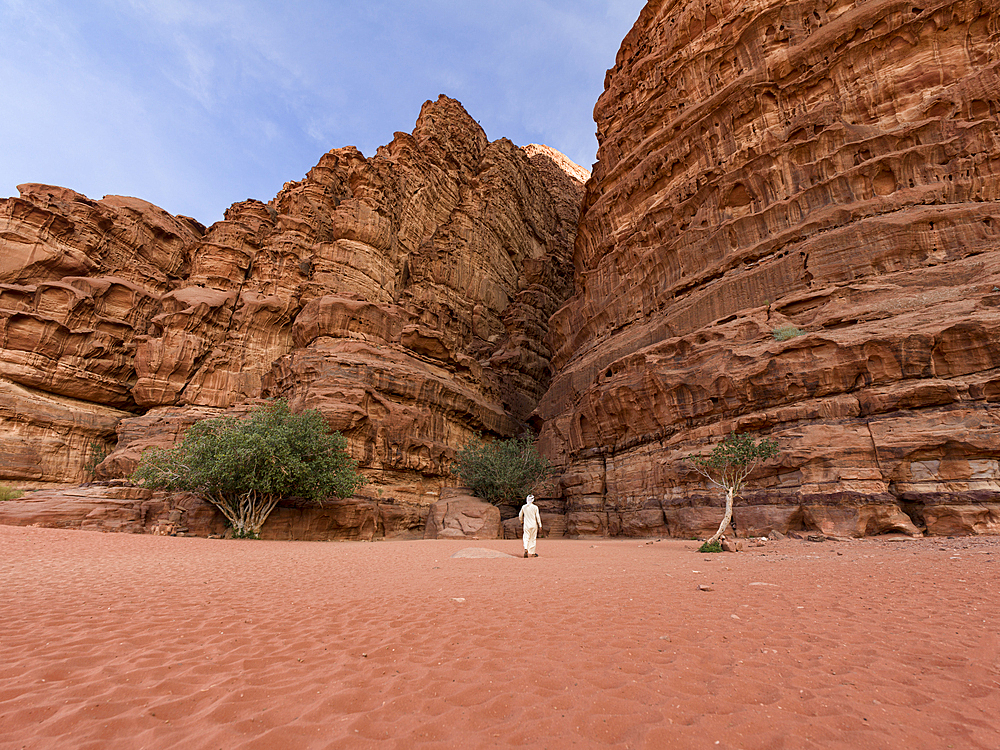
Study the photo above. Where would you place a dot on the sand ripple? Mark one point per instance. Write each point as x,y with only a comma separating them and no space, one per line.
123,642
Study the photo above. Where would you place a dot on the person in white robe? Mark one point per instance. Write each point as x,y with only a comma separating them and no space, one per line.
531,521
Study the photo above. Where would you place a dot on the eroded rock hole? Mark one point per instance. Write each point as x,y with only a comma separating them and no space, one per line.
739,196
884,182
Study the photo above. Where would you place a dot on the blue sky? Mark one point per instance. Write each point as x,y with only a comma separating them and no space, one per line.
196,104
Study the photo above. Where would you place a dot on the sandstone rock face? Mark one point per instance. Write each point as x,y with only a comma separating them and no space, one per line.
348,519
114,508
429,292
793,229
406,296
79,282
134,510
460,515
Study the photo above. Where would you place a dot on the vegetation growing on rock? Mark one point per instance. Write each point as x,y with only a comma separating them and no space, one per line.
245,466
9,493
728,466
501,471
786,332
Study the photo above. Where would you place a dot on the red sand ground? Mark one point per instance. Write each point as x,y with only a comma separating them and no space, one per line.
118,641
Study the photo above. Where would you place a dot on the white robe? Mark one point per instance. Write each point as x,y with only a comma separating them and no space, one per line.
532,521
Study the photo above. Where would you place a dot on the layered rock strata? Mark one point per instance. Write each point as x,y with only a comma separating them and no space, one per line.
792,229
117,507
406,296
79,282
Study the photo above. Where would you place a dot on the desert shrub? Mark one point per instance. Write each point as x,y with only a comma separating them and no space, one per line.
9,493
96,453
715,546
728,466
785,332
501,471
245,466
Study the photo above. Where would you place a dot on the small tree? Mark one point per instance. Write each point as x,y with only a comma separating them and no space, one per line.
502,470
244,466
728,466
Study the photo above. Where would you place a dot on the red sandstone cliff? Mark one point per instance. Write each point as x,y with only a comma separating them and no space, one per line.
829,166
405,295
826,168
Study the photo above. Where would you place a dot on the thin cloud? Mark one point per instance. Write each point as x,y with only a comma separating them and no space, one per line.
196,104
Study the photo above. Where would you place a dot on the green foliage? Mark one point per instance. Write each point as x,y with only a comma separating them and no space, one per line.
729,464
502,470
95,455
9,493
785,332
738,449
244,466
732,460
715,546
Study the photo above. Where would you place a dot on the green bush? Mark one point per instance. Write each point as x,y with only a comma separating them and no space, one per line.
501,471
96,453
715,546
728,466
244,466
9,493
785,332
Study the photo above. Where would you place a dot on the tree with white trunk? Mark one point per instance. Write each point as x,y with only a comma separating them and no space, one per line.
728,466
